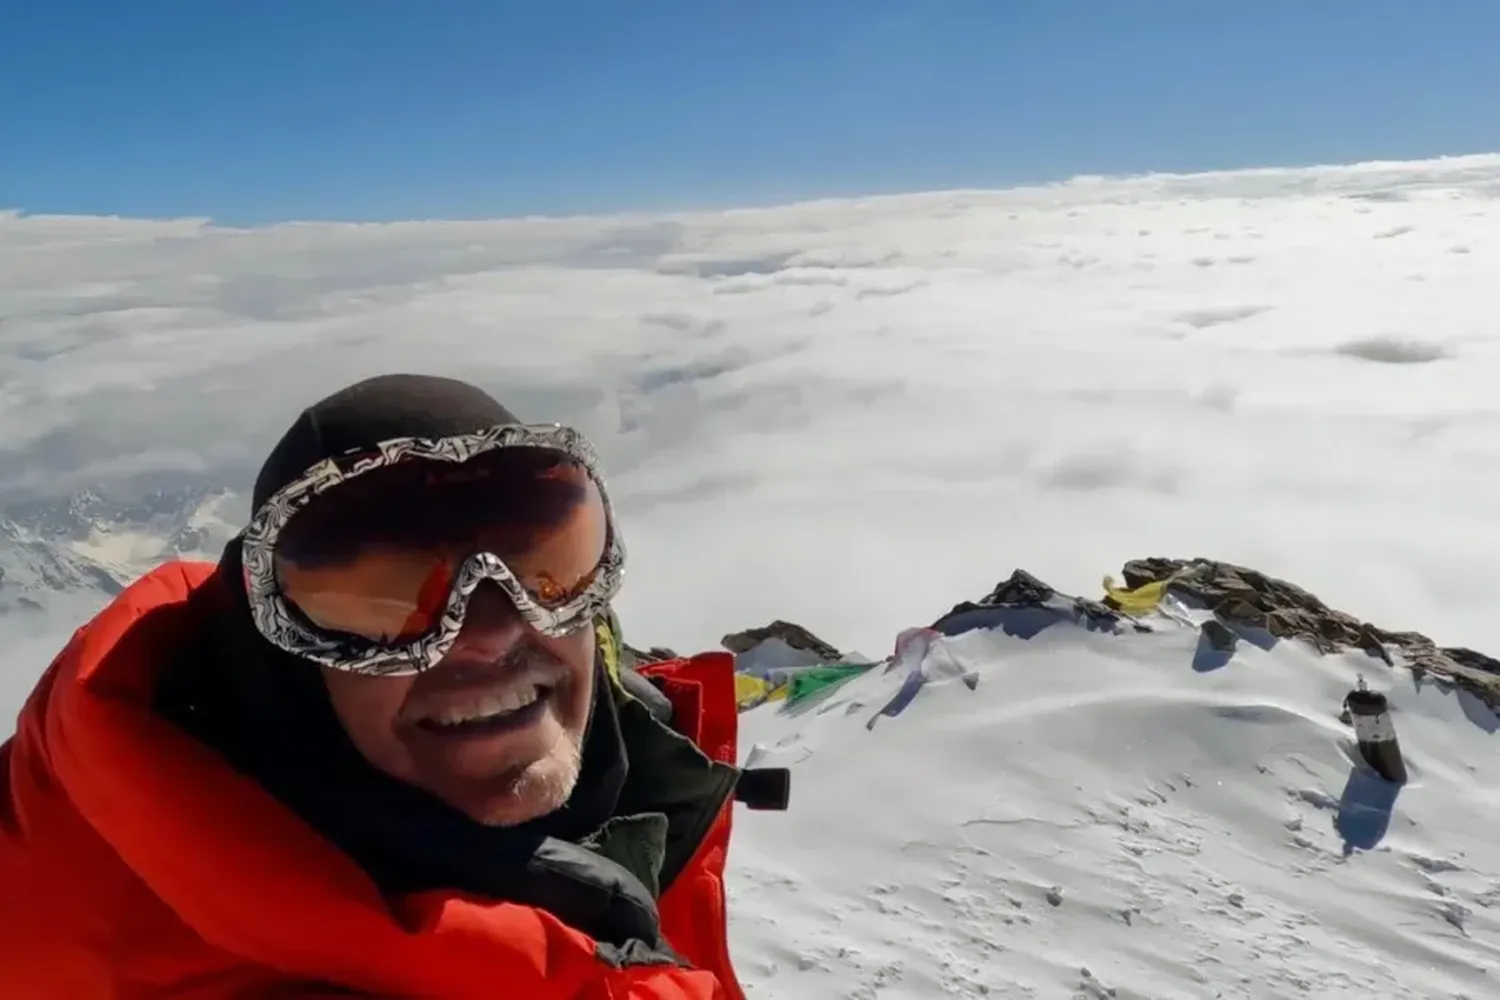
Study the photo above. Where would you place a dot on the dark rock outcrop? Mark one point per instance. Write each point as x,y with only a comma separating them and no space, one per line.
1021,590
793,635
1246,597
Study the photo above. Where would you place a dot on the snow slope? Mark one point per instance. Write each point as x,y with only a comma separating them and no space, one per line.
1100,817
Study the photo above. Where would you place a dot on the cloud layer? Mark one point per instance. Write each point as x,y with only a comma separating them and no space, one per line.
853,413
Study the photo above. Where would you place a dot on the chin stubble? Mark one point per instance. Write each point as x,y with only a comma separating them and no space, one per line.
542,787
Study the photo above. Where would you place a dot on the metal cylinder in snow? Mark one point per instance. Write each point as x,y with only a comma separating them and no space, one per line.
1376,734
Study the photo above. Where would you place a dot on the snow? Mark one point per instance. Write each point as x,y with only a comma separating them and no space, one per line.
123,551
1100,817
852,414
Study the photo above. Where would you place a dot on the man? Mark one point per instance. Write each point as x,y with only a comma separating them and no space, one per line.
384,748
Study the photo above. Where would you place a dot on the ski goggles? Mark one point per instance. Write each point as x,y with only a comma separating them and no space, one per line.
366,563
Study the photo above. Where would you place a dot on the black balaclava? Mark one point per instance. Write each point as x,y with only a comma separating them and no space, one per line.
267,712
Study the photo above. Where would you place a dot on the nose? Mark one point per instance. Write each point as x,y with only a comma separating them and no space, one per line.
492,625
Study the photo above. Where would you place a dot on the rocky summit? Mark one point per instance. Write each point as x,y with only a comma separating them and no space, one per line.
793,635
1243,603
1246,598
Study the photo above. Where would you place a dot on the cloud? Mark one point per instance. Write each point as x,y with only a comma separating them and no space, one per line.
852,413
1391,351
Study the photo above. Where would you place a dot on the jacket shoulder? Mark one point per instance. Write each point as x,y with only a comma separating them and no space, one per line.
71,908
704,708
701,690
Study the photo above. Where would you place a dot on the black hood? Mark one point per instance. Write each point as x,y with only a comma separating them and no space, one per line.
378,409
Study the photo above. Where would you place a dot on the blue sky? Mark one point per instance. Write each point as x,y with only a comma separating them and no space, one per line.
380,109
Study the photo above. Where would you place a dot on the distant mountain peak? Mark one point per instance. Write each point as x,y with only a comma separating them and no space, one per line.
87,544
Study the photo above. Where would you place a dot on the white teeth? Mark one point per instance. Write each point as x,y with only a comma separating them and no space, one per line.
486,707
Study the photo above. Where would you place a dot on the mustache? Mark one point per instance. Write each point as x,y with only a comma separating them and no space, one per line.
525,663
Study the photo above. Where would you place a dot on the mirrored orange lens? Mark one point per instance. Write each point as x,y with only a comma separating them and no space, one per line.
376,557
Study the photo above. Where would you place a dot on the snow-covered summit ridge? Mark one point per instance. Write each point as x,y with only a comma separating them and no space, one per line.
1228,604
1108,806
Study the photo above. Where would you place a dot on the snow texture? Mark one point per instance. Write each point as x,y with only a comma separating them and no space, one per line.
1100,816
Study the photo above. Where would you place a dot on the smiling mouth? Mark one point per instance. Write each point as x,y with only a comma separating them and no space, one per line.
491,714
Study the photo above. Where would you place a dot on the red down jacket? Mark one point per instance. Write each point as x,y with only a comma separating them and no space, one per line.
135,863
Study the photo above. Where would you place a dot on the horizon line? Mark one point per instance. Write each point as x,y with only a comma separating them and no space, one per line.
1078,180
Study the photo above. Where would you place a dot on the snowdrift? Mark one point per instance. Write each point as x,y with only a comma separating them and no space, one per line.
1151,795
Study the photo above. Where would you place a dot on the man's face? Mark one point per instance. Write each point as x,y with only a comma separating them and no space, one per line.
495,730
